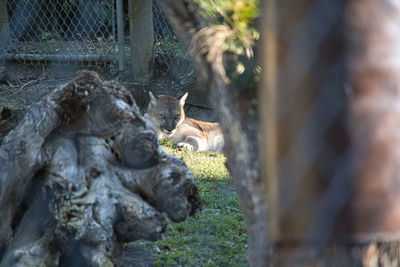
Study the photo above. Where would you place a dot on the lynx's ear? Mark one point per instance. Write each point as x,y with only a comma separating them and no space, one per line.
183,99
153,99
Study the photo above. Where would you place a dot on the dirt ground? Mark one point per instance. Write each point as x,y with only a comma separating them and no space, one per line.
24,84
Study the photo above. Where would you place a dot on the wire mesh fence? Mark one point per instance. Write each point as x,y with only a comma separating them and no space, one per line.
169,51
62,31
84,33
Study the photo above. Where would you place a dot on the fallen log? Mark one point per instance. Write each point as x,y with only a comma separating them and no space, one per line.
82,173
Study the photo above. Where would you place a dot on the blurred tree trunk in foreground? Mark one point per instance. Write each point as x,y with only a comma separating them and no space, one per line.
335,194
328,119
303,114
374,68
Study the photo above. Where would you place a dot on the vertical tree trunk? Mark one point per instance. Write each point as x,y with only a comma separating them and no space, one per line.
374,64
141,38
4,30
307,73
335,203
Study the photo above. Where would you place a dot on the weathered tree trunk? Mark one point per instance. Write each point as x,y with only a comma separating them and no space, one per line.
82,173
236,109
142,39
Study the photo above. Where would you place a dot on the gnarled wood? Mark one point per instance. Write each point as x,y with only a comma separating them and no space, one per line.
81,173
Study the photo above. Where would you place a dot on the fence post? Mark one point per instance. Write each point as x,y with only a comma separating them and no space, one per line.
141,39
121,40
4,31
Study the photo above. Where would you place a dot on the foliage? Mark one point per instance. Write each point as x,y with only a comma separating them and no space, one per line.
216,236
229,39
169,44
239,16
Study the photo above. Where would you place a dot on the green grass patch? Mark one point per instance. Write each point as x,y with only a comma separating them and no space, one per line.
215,236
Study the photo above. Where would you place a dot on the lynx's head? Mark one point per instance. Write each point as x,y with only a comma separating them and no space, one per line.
166,112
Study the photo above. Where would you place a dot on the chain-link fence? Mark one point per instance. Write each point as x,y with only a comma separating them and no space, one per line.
84,33
169,51
62,31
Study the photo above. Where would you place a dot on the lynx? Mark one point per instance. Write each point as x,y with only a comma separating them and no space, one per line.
167,116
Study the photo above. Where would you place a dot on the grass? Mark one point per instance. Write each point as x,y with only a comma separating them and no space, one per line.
170,46
215,236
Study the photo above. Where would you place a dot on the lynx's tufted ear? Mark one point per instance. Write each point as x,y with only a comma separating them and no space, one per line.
153,99
183,99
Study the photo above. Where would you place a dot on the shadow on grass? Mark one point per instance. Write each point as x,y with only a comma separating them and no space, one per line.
216,236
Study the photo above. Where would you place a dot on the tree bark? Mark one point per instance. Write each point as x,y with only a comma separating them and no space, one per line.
374,67
335,194
142,39
310,113
81,173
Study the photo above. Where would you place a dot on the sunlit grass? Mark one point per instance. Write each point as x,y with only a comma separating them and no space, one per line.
215,236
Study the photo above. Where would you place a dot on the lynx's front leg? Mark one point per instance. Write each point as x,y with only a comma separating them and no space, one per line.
193,143
185,146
